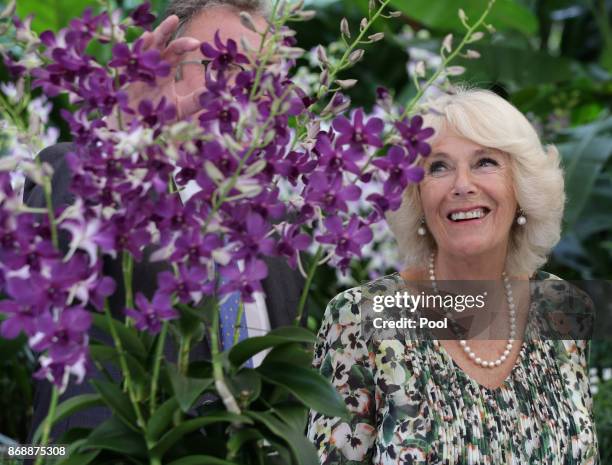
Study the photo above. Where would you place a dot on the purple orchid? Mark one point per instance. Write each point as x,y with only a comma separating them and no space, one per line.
330,193
62,338
292,242
188,285
358,134
137,65
223,55
150,314
398,164
348,240
24,310
143,17
247,281
414,136
225,115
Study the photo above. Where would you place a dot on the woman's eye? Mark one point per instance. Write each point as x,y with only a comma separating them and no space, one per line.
436,167
487,162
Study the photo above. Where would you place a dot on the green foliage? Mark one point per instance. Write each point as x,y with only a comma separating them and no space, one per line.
442,14
602,408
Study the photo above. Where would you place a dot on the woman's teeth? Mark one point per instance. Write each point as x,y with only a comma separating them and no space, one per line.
469,215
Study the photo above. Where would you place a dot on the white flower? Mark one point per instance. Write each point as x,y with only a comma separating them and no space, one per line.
354,445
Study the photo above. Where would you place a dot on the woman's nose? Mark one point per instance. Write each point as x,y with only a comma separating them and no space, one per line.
464,184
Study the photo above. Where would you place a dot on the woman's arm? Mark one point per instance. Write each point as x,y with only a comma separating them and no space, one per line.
342,356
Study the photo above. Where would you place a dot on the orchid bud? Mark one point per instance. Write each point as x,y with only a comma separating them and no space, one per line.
292,52
307,15
9,10
472,54
371,5
247,21
9,163
447,43
462,16
356,56
213,172
377,36
324,78
490,28
246,45
297,6
344,28
455,70
363,24
322,55
336,105
419,69
255,168
346,83
395,14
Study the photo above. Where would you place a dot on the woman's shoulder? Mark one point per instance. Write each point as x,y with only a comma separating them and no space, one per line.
346,306
563,312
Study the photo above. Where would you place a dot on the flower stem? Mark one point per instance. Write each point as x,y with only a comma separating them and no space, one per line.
159,356
183,357
344,60
447,60
238,322
127,266
226,395
48,422
50,213
311,272
124,366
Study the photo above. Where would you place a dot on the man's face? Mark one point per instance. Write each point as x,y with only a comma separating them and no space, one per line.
203,28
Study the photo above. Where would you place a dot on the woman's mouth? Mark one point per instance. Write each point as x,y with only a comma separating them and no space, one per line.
467,216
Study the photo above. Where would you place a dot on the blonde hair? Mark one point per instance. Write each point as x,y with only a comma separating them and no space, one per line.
488,120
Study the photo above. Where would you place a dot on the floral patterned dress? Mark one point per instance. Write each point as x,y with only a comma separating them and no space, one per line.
410,403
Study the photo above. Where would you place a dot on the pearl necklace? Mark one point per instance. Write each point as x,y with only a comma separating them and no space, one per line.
511,315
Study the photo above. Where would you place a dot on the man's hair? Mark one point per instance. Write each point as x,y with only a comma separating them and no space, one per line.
186,10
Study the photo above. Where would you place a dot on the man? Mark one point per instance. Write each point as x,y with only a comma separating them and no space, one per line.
193,22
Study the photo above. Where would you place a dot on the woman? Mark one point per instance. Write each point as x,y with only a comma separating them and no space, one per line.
489,208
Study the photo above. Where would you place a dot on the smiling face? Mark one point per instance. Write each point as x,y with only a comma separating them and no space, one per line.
203,27
468,197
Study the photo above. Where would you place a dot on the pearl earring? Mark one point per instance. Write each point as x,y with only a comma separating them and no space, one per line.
422,231
521,220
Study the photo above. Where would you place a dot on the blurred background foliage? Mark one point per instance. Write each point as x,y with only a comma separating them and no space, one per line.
551,58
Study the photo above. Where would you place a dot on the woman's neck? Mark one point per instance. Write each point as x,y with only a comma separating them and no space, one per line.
476,267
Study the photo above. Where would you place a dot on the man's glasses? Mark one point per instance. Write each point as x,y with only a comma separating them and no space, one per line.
202,65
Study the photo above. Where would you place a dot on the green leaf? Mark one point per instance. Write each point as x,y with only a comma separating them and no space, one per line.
52,15
117,400
187,390
162,417
68,407
584,158
171,437
103,353
245,386
128,336
115,436
244,350
443,14
296,352
241,437
308,385
516,67
201,460
294,414
79,458
190,322
302,449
